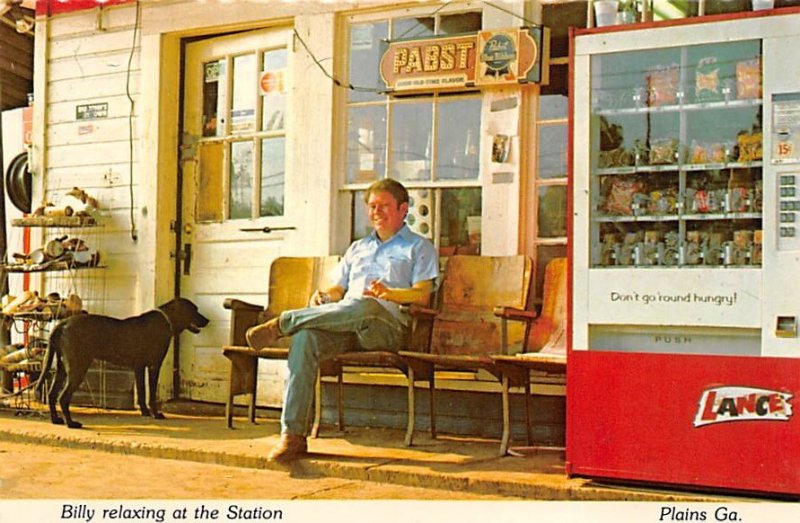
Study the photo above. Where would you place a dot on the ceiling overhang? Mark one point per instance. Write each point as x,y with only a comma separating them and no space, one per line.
52,7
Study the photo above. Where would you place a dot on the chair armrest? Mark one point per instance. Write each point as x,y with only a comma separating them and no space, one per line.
233,304
512,313
243,316
418,311
421,326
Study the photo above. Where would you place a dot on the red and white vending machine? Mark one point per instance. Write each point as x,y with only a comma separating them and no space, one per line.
684,362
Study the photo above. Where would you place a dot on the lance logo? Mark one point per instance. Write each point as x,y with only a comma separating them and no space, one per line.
721,404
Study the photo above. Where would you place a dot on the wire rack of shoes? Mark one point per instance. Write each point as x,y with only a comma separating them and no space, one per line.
52,263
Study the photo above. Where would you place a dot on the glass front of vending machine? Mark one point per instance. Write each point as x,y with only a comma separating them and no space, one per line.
684,361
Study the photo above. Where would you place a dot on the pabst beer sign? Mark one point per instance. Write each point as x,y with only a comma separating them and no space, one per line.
499,56
723,404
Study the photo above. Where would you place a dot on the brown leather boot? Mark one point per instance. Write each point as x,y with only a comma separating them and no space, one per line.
289,448
264,335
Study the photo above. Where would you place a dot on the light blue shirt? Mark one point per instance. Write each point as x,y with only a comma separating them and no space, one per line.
400,262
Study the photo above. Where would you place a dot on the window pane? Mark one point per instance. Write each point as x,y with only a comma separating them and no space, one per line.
461,221
404,28
458,144
361,225
209,193
559,82
273,162
553,151
366,143
244,94
365,57
412,125
460,23
214,98
273,89
241,191
552,215
552,107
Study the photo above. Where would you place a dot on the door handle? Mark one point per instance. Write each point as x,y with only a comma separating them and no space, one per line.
267,230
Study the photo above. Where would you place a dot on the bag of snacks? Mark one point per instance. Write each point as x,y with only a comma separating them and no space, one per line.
755,256
748,78
662,85
750,147
706,81
698,153
618,157
663,151
716,153
619,200
663,202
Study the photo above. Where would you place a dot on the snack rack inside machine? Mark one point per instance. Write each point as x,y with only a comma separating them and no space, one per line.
684,362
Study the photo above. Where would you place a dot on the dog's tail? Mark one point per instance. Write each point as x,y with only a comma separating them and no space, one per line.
52,352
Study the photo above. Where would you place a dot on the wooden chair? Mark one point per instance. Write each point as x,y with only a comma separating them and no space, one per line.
466,331
546,348
419,341
292,281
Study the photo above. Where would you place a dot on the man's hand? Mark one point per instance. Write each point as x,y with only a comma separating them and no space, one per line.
320,298
377,289
328,295
420,293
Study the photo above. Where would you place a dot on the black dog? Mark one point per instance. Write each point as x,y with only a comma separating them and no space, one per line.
137,342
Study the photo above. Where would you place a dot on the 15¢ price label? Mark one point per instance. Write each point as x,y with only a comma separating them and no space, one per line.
785,146
784,150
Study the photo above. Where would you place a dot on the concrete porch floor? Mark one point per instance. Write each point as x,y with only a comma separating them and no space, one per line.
197,432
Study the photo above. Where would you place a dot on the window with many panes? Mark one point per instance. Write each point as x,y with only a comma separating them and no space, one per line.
431,142
244,115
546,235
547,227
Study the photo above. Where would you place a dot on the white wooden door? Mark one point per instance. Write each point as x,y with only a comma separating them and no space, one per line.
234,152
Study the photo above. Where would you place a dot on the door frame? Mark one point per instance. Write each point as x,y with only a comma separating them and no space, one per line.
159,211
208,236
161,57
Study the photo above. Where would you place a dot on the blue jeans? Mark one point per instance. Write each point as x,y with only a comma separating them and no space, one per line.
321,332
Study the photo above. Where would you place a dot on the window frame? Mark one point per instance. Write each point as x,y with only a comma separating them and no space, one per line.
256,137
530,226
348,191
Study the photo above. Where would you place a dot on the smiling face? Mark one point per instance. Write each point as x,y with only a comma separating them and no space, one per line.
385,214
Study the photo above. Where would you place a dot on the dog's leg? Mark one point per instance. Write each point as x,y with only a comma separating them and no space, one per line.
141,398
152,381
75,375
59,376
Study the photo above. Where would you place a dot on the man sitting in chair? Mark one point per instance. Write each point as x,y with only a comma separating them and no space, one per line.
359,310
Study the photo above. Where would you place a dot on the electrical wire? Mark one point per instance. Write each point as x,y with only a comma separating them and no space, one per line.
336,81
136,28
339,83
